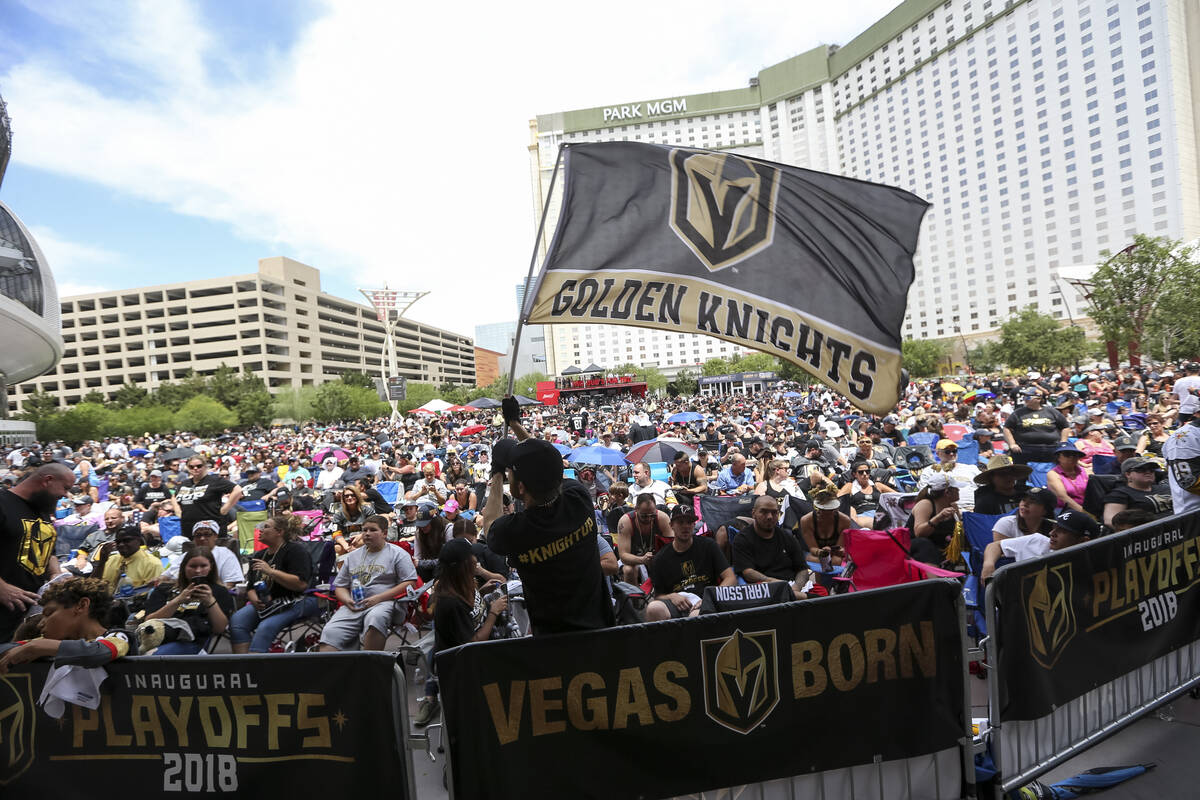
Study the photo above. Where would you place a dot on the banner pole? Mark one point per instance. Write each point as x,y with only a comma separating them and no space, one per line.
512,363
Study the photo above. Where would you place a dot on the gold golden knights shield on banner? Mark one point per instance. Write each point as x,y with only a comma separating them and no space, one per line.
722,206
741,679
17,726
1049,612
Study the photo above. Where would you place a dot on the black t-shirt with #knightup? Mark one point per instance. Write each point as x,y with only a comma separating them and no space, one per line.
26,545
553,549
202,501
692,570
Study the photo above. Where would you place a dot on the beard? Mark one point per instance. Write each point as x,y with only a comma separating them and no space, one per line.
43,502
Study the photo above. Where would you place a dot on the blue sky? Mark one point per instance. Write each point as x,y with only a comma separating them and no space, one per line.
162,140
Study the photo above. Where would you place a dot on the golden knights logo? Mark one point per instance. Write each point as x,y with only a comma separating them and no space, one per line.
741,679
17,723
722,206
36,547
1049,612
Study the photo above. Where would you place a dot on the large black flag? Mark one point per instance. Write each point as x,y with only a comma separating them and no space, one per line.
811,267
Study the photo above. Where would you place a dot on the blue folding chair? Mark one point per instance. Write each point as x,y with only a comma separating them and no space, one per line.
1105,465
390,490
1037,479
569,473
977,528
929,440
659,471
968,451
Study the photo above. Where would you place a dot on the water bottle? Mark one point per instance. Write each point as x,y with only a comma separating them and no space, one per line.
826,559
261,590
357,592
124,586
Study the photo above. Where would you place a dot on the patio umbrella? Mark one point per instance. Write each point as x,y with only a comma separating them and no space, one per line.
177,453
137,452
562,448
471,430
978,394
425,411
436,404
658,450
522,400
792,394
602,456
484,402
326,452
686,416
953,388
457,408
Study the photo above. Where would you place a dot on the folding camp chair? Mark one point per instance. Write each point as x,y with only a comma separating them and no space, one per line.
659,471
880,559
977,528
304,633
1037,478
1105,465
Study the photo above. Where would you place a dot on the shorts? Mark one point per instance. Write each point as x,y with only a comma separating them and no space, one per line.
347,627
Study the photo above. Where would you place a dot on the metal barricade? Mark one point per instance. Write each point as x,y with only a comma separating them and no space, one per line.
1024,746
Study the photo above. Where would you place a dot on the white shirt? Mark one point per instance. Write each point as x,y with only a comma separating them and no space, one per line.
117,450
1183,447
1023,548
229,570
1188,402
326,478
659,489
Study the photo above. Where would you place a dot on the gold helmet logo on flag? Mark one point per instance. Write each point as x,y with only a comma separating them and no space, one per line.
17,721
1049,612
722,206
741,679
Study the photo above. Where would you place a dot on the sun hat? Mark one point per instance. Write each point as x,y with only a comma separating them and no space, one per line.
1002,462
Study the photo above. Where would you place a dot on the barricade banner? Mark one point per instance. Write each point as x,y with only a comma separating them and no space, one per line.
673,708
1078,618
270,726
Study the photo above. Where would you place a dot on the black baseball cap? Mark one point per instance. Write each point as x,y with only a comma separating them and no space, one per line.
683,511
453,552
1078,523
537,464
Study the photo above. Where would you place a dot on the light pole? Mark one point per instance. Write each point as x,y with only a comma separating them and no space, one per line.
390,306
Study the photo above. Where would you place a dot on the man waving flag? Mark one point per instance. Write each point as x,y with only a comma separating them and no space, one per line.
813,268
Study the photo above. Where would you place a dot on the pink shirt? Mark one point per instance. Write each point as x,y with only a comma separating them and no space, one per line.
1075,486
1090,448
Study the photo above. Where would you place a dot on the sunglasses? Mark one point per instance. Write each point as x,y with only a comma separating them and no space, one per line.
862,472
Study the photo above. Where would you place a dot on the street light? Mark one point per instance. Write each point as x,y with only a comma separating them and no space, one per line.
390,306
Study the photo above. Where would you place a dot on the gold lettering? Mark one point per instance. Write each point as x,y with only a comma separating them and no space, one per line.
540,705
663,674
922,650
1164,570
837,663
1190,557
1101,589
808,676
881,654
631,699
205,706
242,718
276,719
1176,562
178,720
111,737
82,721
590,714
146,724
507,725
308,703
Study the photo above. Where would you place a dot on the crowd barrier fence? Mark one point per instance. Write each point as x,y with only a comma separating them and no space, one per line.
242,726
861,695
1087,640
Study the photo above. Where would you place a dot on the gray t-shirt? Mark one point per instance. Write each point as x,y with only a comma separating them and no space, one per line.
377,572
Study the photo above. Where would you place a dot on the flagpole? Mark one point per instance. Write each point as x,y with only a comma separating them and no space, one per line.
512,363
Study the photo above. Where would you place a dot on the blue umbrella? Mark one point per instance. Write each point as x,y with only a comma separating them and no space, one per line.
792,394
562,448
604,456
686,416
137,452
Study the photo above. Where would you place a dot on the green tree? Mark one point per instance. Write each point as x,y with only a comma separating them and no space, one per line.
1035,340
83,421
985,356
138,420
716,366
653,377
172,395
94,396
352,377
204,415
224,385
294,403
129,395
1128,287
685,383
922,357
334,400
527,384
755,362
1173,330
39,405
418,395
791,371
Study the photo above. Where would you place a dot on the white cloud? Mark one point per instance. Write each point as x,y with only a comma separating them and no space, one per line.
390,143
75,265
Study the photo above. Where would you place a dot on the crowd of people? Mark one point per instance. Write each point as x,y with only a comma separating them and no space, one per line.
170,543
